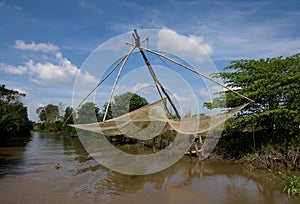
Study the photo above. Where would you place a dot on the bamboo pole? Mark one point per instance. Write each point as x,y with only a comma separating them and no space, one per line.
197,72
116,81
92,91
156,81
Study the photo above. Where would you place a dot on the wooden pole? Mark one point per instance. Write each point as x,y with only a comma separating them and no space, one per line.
156,81
100,82
197,72
115,83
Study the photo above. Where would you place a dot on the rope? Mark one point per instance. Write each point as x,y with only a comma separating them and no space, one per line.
197,72
158,82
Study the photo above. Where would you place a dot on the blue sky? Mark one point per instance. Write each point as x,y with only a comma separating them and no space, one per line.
44,43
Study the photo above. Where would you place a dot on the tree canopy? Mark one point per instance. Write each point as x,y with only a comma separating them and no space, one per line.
274,84
125,103
48,113
87,113
52,118
13,114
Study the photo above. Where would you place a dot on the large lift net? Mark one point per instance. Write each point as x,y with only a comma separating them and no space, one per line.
155,119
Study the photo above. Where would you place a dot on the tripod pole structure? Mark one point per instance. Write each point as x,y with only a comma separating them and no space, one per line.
156,81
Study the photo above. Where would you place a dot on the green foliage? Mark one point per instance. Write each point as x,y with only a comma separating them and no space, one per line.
51,121
293,186
122,104
48,113
10,96
13,115
48,126
127,102
109,113
87,113
274,84
68,112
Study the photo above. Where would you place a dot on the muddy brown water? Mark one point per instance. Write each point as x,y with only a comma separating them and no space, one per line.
28,175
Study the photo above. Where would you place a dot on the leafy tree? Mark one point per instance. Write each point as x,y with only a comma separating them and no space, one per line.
68,112
87,113
122,104
274,84
13,115
48,113
51,121
8,96
127,102
109,113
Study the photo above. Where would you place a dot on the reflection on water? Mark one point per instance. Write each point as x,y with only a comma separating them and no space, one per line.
28,176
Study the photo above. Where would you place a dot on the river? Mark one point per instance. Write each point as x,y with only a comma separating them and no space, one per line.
28,175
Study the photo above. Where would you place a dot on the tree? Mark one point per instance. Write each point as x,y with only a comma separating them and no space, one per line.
49,113
127,102
274,84
87,113
10,96
124,103
109,114
13,115
68,112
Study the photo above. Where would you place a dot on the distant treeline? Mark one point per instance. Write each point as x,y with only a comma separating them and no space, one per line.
52,117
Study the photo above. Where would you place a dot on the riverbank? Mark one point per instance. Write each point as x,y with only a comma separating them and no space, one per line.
275,165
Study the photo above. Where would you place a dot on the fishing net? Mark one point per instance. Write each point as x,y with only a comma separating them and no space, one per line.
153,119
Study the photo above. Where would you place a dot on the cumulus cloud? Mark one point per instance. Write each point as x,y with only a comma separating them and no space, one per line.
191,46
61,72
41,47
10,69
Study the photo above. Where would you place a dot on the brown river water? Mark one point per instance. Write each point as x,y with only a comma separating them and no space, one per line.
28,175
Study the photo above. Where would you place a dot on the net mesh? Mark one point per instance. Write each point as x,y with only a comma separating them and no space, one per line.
153,119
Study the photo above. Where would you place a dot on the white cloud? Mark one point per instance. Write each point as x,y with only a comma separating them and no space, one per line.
142,88
63,72
41,105
192,46
18,70
41,47
208,47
